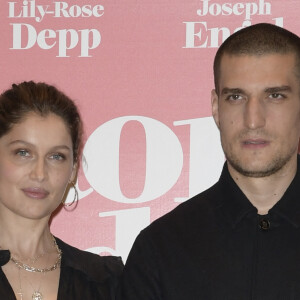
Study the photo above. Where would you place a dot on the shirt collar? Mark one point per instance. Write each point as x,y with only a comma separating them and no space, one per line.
288,207
234,205
4,257
97,268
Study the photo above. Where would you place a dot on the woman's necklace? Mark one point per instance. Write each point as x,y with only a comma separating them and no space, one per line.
28,268
37,295
33,260
20,285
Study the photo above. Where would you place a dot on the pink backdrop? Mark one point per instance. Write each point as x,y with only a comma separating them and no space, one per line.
141,74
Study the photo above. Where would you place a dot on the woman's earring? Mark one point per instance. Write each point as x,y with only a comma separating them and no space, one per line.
76,197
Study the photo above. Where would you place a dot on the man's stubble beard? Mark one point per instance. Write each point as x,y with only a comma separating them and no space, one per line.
276,164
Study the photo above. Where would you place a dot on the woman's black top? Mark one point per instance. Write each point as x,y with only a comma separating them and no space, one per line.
83,275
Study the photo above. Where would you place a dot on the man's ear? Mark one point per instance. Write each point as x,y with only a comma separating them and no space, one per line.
215,107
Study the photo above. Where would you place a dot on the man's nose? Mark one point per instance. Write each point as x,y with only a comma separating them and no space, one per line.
254,114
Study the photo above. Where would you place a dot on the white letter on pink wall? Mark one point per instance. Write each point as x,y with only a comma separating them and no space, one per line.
206,155
129,223
164,159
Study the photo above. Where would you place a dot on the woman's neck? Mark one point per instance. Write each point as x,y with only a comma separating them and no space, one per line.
24,237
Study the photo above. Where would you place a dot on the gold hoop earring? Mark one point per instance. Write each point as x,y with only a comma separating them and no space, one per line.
76,196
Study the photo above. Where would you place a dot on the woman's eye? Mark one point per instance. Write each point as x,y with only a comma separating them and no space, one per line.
22,152
58,156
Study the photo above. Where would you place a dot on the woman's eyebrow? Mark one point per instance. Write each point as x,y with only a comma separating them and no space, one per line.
32,145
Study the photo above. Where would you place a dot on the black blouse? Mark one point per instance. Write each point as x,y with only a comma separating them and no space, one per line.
84,276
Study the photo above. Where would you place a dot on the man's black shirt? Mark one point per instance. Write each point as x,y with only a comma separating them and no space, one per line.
216,246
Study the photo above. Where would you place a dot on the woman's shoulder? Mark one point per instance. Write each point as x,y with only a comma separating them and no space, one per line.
100,268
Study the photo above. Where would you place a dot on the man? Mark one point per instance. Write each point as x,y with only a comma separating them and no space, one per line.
240,239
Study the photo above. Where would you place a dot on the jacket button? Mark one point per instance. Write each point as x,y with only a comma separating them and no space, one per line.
264,224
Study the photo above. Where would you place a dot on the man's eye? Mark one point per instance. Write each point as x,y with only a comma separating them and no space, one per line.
277,96
234,97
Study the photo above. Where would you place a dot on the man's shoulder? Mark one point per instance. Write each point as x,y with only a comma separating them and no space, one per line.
198,210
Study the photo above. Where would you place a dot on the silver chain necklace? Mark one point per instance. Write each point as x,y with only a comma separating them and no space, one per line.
37,295
28,268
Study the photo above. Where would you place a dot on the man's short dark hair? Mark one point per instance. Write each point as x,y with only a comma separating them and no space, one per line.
258,39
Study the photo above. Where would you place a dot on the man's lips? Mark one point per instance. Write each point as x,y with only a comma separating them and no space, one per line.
35,192
255,143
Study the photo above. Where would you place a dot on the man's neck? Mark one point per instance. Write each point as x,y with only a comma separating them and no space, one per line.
265,192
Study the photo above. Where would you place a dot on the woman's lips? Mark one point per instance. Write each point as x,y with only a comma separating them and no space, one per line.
36,193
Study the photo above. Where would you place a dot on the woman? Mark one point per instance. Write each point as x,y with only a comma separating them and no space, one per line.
40,143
